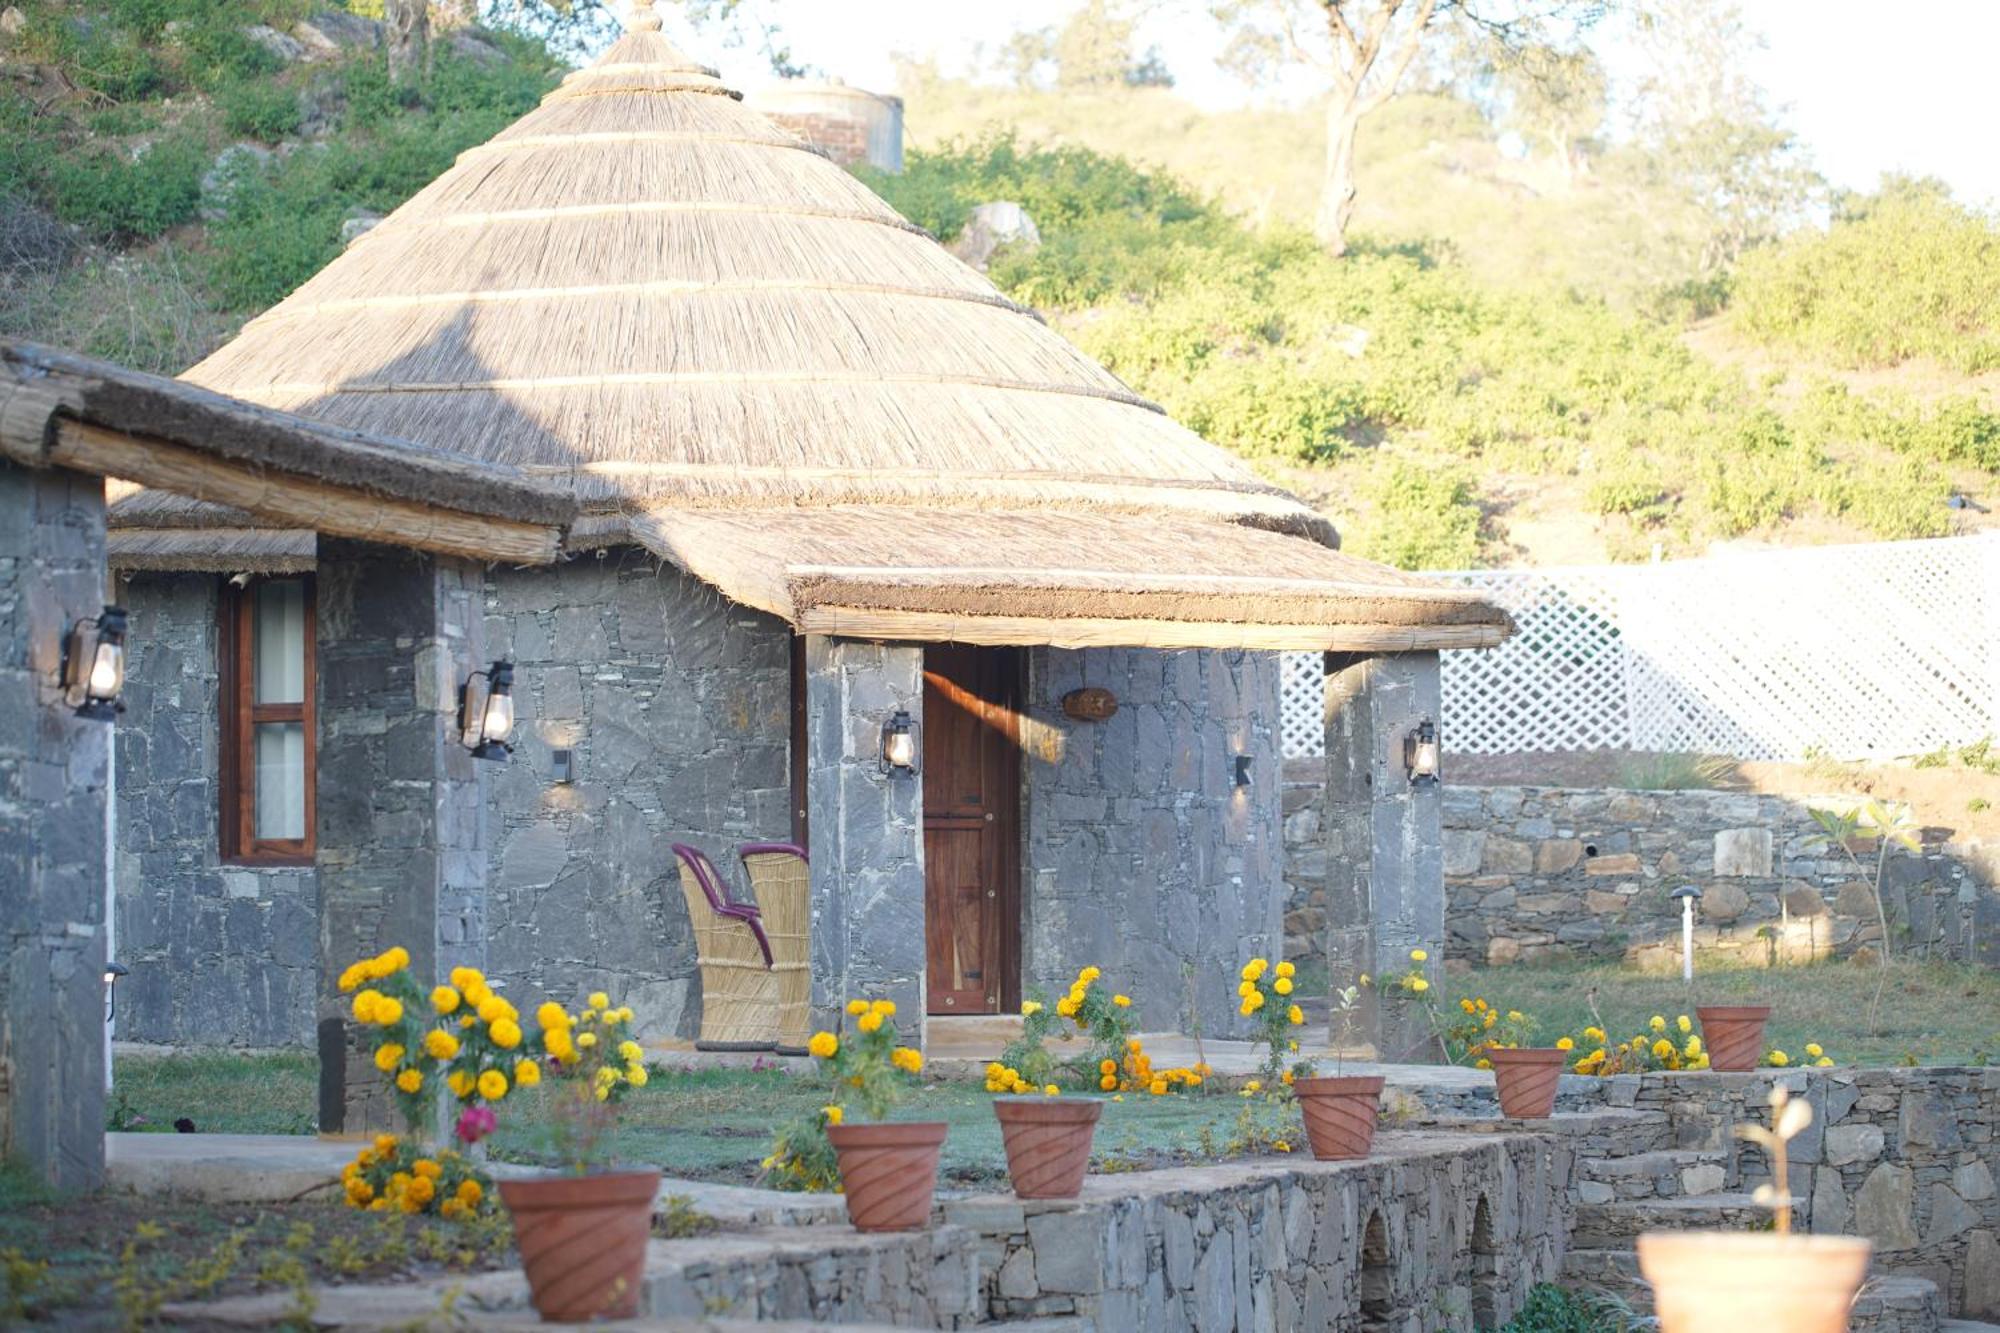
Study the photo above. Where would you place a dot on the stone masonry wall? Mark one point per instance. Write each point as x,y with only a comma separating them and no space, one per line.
1431,1232
1142,855
220,955
1543,872
1905,1157
54,778
676,706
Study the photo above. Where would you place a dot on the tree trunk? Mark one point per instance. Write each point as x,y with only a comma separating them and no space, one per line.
407,29
1336,194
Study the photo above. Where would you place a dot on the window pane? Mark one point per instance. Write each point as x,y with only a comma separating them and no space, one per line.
281,780
281,642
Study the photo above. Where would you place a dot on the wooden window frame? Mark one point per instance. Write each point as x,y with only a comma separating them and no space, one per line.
236,649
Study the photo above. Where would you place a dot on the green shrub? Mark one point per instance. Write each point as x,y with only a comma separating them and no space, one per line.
266,111
1552,1309
1423,518
137,199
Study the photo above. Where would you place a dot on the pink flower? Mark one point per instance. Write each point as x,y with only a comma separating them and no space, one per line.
475,1124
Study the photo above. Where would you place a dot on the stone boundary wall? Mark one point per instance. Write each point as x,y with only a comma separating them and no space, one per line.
1546,872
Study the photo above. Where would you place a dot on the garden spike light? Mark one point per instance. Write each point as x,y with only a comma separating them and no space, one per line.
1689,895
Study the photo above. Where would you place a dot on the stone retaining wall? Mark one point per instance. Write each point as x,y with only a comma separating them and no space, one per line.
1546,872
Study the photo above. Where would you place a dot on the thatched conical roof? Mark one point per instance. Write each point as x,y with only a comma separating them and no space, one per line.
653,294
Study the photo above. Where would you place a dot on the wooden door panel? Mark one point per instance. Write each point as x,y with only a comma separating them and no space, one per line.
972,780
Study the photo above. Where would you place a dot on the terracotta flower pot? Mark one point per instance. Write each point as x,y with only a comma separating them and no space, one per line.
1526,1080
888,1172
1733,1035
1048,1143
1708,1280
1340,1114
583,1241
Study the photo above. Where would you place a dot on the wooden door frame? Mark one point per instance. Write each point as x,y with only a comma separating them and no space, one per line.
1010,851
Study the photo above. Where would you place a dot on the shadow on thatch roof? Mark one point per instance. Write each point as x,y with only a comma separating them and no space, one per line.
655,298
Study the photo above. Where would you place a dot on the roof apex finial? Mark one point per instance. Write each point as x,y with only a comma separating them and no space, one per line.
642,18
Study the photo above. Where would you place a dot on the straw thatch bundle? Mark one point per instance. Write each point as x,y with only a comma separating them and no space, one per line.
655,297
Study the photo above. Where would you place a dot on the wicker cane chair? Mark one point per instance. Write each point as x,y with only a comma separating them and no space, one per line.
739,991
780,878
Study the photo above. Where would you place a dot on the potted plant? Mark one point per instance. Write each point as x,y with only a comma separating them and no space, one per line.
582,1234
1492,1038
1340,1109
1734,1034
1047,1136
888,1169
1772,1281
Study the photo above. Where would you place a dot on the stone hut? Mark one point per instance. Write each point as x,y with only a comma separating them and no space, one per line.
826,474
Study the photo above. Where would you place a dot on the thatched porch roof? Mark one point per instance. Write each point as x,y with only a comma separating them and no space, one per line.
728,349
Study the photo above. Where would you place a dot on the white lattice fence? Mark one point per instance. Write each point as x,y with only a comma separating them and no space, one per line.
1884,649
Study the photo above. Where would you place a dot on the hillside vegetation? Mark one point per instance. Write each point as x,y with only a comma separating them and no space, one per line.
1501,370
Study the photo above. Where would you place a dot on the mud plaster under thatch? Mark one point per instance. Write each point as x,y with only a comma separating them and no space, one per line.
728,350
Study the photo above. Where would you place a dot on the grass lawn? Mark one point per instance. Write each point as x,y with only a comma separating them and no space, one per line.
1930,1014
712,1124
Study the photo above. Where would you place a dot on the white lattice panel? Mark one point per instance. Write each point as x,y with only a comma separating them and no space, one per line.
1302,705
1886,649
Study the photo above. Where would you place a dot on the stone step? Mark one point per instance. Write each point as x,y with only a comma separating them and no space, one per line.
1889,1304
1661,1174
1615,1271
1593,1131
1616,1225
1967,1326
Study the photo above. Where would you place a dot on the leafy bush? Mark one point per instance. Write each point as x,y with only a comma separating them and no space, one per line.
116,197
266,111
1552,1309
1424,518
1910,273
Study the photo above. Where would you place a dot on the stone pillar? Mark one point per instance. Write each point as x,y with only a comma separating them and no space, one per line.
1385,860
54,769
867,829
401,803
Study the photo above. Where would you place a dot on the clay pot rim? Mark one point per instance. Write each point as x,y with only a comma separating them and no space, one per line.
1732,1012
1352,1085
1532,1055
628,1184
1058,1110
887,1133
1755,1242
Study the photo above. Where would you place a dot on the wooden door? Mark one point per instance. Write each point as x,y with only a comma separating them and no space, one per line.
972,828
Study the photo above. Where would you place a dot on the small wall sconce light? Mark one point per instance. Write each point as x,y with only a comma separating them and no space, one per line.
1420,753
1242,770
899,745
486,712
113,971
93,673
563,766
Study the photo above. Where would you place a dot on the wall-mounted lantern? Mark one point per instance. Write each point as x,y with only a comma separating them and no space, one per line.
486,712
1420,753
1242,770
93,673
899,745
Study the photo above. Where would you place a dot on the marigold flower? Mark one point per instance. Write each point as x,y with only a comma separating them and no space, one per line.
1253,1086
1780,1059
1684,1024
494,1008
1122,1001
1287,970
1158,1087
1565,1043
1516,1016
1595,1034
599,1000
1109,1082
1029,1008
1693,1047
410,1080
1283,985
1482,1063
460,1083
1286,1078
1132,1044
463,977
351,978
907,1058
1295,1016
470,1192
1420,955
1824,1062
1088,975
506,1033
493,1085
1813,1049
1066,1007
1419,985
559,1043
440,1045
445,999
636,1075
394,960
477,993
823,1045
527,1073
1662,1049
364,1005
869,1022
886,1008
587,1040
388,1056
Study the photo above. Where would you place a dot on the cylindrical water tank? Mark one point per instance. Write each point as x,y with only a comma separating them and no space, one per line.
827,111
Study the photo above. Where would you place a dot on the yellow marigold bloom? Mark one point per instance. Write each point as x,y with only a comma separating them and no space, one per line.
908,1059
552,1015
1122,1001
559,1043
1824,1062
1482,1063
1565,1043
631,1052
388,1010
1684,1024
396,958
587,1040
1516,1016
857,1007
476,993
1780,1059
1466,1005
1295,1016
506,1033
1364,979
1492,1017
1132,1044
1657,1023
364,1005
1287,970
1693,1047
460,1083
1419,985
636,1075
527,1073
1088,975
1593,1034
1286,1078
599,1000
1283,985
1279,1145
1253,1086
1109,1082
493,1008
1813,1049
1158,1087
444,999
424,1166
493,1085
388,1056
1420,955
1662,1049
1480,1005
834,1114
1066,1007
440,1045
385,1144
463,977
823,1045
1029,1008
351,978
869,1022
470,1192
886,1008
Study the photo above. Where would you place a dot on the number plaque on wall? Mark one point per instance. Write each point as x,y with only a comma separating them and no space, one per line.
1090,704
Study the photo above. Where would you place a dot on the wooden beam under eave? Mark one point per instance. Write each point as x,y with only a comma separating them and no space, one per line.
1067,632
300,502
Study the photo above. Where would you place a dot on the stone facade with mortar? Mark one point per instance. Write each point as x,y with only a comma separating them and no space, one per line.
54,789
1543,872
1143,856
222,955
